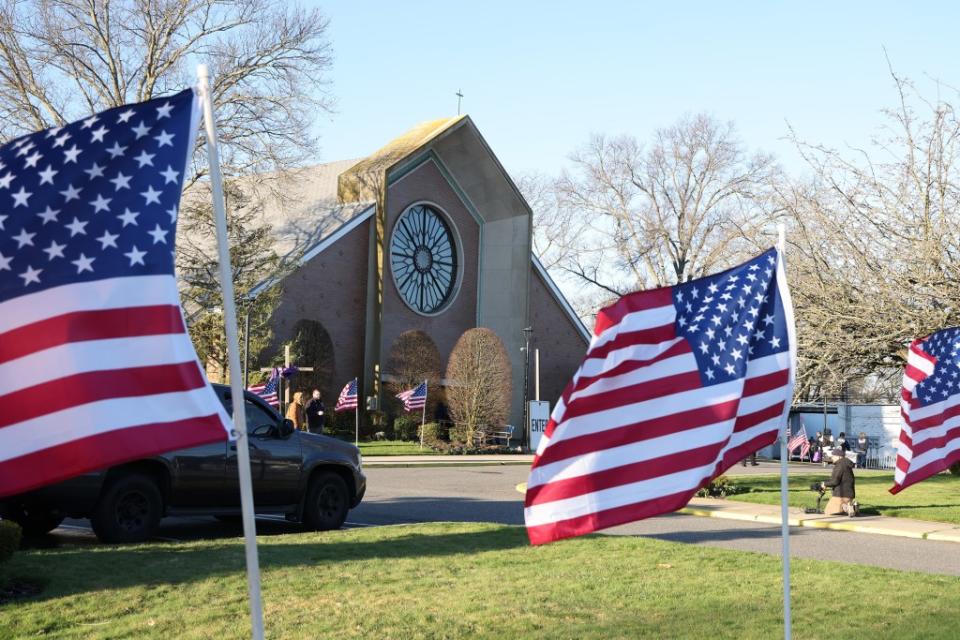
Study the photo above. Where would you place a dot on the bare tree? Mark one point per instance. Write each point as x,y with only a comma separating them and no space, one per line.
687,204
63,59
478,383
875,260
252,260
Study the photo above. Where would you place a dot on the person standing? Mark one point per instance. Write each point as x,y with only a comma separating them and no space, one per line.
860,447
315,414
826,445
842,442
295,412
815,451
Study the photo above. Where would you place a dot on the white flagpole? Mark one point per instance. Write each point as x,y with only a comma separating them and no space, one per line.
423,418
784,514
236,381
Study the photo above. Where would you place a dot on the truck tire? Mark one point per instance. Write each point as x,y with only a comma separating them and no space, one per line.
129,509
327,502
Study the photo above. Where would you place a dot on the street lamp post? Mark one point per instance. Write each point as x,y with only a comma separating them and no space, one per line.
526,385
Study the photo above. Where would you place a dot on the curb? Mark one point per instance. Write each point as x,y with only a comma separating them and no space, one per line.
938,531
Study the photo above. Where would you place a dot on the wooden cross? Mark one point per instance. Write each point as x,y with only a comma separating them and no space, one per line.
459,95
286,365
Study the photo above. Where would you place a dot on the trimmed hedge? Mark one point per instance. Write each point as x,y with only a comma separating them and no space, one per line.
10,536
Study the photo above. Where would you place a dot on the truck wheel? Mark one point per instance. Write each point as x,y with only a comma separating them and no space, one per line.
327,502
129,510
34,522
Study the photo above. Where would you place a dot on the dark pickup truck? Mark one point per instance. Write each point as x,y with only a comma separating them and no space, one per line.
307,478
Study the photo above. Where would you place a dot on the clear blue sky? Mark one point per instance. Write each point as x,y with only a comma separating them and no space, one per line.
539,77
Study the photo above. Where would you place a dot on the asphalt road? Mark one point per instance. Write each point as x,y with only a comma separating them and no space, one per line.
488,494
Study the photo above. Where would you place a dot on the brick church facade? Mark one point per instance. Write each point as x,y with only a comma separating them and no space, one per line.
429,233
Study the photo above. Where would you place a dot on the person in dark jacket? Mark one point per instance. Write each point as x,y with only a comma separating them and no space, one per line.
314,411
842,442
842,485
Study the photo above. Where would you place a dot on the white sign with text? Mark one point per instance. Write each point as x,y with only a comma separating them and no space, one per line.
538,412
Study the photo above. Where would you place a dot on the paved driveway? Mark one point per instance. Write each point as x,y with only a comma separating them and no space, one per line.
488,494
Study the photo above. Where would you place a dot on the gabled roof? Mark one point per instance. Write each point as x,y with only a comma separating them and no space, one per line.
359,182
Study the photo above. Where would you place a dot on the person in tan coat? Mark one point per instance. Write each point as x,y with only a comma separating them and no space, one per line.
296,412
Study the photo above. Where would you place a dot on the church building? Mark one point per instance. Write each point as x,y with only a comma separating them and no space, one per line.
429,233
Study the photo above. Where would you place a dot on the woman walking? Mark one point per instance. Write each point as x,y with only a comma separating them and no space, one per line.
296,412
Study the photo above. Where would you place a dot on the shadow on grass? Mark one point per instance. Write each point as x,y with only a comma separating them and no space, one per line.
73,570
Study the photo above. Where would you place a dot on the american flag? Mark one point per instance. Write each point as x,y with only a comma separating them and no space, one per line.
348,397
799,440
96,366
268,389
415,398
678,384
930,406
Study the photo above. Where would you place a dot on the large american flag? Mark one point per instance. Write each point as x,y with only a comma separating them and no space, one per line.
348,397
96,366
268,390
678,384
415,398
930,406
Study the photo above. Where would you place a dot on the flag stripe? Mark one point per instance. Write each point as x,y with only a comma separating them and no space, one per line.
636,432
629,365
656,461
652,335
615,313
109,293
95,355
653,317
104,416
79,326
91,386
101,450
640,392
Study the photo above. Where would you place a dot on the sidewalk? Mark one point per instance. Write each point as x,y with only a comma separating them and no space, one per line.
770,514
406,461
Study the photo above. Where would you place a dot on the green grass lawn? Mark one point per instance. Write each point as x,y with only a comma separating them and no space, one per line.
394,448
464,581
936,498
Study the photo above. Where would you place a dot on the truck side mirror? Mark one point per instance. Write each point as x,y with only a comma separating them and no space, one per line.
286,427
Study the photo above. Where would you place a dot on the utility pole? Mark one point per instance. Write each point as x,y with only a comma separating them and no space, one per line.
459,95
526,385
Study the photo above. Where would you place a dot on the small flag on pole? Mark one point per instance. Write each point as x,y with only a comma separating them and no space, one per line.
929,404
678,384
96,365
798,440
348,397
268,390
415,398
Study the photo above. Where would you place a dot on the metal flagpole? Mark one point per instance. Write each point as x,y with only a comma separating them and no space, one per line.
236,381
784,515
423,418
356,411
